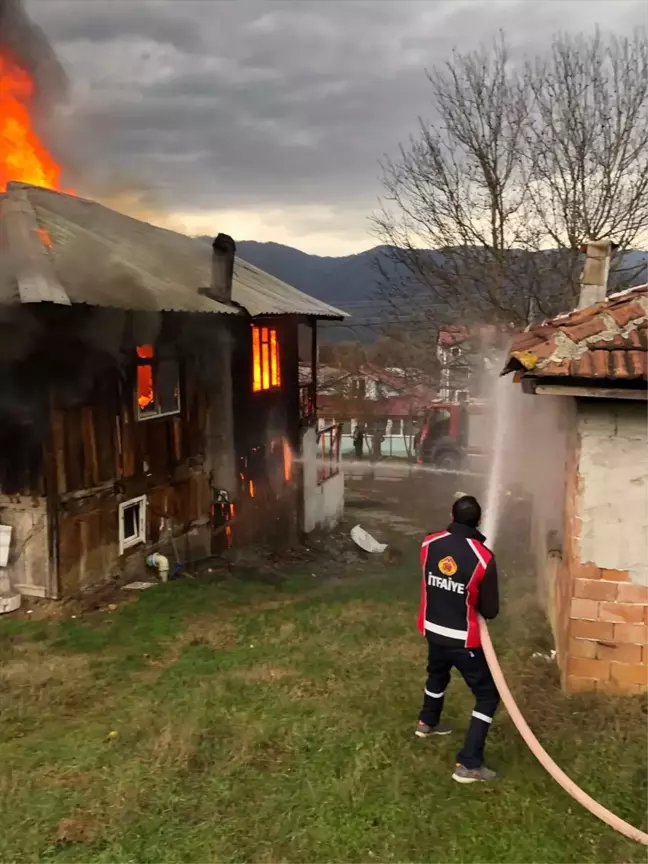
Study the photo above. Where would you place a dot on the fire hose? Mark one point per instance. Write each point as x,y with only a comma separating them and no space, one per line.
543,757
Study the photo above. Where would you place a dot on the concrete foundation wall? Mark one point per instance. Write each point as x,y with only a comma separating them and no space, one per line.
323,501
28,569
601,601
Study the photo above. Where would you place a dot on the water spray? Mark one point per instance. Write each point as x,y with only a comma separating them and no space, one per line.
503,396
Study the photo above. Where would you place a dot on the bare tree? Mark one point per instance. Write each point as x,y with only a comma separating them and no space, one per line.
486,210
589,141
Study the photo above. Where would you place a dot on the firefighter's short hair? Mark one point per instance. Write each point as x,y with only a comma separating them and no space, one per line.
467,511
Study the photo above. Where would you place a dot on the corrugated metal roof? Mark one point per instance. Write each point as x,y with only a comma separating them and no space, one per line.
607,341
262,294
97,256
104,258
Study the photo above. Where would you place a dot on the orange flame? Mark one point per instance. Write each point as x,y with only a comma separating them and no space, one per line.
266,366
145,393
44,237
228,528
287,455
23,156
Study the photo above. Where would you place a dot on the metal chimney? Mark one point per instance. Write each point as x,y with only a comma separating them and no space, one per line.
223,253
594,278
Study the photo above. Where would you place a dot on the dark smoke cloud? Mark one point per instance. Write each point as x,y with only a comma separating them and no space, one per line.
28,46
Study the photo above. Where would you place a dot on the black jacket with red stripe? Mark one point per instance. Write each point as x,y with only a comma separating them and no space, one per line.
459,580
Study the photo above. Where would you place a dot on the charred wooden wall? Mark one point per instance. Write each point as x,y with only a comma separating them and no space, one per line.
72,447
261,421
104,456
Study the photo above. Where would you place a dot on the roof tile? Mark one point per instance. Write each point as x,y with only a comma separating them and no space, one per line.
600,363
636,363
583,368
586,329
611,344
556,368
619,367
623,314
607,341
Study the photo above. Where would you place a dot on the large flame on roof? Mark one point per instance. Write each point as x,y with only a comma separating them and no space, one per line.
23,156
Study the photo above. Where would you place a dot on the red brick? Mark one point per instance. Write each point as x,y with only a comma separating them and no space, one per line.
587,648
588,609
580,685
632,594
584,667
600,630
595,589
621,613
630,673
633,634
618,688
587,571
618,653
615,575
611,686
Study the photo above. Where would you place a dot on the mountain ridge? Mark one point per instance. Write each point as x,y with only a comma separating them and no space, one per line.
350,282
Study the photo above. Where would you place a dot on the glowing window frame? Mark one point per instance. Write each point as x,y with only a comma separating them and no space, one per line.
153,360
266,359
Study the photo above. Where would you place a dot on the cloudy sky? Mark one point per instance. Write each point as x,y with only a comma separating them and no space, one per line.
267,119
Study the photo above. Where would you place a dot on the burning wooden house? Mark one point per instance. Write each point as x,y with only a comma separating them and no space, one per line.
150,396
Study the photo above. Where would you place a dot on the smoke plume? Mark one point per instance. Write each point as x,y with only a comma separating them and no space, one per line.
28,47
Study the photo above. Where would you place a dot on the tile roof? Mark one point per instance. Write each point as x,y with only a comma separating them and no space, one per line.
62,248
607,341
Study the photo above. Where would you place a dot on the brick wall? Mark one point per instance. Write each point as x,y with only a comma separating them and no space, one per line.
607,632
563,590
600,614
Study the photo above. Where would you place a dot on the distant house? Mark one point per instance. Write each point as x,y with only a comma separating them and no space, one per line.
453,354
390,401
462,354
594,562
150,397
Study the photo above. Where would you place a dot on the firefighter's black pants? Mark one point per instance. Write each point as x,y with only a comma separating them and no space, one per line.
471,664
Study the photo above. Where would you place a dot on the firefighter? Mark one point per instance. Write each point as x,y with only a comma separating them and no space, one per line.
459,581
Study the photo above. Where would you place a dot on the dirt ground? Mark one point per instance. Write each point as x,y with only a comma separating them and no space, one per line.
394,506
394,503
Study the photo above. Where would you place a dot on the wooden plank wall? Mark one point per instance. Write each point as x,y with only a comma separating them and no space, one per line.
104,456
272,516
101,455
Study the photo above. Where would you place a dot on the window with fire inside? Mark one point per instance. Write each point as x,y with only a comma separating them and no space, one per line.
158,384
266,365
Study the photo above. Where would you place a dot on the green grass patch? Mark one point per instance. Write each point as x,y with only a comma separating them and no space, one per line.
244,722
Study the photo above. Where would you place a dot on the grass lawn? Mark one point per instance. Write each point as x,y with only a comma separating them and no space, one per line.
244,722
